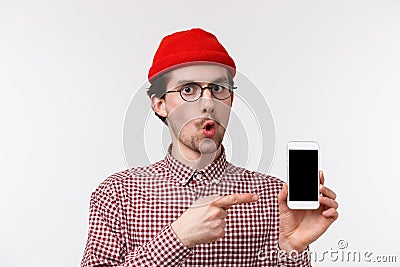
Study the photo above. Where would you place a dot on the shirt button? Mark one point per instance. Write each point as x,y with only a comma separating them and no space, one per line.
199,175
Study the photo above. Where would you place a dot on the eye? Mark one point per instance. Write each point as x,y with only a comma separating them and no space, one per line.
188,89
217,88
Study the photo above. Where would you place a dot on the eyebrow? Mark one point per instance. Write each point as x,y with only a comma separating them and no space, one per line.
217,80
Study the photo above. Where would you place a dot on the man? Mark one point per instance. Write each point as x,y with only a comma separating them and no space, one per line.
193,208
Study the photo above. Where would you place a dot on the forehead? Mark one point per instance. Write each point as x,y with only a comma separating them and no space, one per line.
198,72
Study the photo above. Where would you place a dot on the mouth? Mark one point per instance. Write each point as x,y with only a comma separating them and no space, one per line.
209,128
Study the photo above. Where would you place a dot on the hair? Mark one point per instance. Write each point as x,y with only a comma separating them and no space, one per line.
158,87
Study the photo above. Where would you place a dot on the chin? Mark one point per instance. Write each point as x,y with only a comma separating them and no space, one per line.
208,146
201,144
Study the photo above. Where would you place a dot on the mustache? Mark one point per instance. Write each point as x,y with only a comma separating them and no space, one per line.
203,120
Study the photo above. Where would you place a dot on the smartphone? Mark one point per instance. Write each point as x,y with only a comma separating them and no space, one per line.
303,178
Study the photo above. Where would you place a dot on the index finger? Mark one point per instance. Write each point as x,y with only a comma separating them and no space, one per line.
226,202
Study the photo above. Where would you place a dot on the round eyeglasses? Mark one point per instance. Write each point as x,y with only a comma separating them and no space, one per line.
191,92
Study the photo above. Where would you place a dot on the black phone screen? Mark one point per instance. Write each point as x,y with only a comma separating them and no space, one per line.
303,175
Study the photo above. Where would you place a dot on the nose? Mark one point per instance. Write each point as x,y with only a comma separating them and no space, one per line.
207,102
207,93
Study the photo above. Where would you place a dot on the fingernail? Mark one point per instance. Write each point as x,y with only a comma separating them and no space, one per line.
255,197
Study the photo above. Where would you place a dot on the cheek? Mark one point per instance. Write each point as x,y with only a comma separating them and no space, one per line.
222,112
171,103
180,115
188,130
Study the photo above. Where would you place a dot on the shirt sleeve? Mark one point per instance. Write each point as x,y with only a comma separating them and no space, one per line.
107,239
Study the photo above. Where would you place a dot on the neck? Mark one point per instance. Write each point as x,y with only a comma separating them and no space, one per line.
193,158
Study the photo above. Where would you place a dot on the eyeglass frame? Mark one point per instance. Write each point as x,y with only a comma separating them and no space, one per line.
230,88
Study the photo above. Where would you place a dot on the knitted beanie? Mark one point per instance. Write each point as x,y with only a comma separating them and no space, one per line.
191,46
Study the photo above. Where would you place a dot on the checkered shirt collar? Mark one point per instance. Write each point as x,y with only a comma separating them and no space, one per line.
184,173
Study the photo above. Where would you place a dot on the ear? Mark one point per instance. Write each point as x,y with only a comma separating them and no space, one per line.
158,105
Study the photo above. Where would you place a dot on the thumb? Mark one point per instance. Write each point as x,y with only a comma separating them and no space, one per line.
282,196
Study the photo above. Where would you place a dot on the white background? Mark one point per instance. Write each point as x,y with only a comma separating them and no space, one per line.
330,71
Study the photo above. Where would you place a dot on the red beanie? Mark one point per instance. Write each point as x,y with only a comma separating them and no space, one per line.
195,45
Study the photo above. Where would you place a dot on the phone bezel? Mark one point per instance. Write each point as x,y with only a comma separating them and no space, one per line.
302,145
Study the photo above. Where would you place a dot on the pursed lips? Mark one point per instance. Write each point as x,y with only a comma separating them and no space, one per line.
208,124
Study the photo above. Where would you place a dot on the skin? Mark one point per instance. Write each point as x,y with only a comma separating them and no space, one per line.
204,221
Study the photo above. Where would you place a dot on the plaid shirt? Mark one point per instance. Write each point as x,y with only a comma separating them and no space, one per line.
131,214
